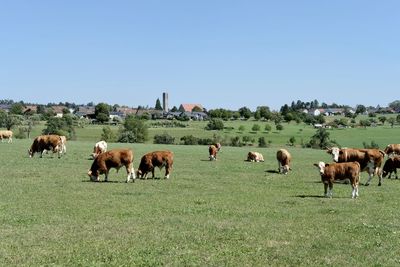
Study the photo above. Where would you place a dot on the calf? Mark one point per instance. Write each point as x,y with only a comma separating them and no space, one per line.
339,171
43,143
391,165
392,149
115,158
255,157
284,158
370,159
154,159
213,150
6,135
99,147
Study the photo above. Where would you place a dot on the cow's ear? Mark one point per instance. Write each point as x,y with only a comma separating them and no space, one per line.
326,164
316,165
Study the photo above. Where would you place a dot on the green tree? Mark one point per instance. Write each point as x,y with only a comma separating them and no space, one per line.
267,127
8,120
17,109
382,119
255,128
245,113
361,109
107,134
242,128
321,139
261,142
61,126
391,121
158,105
133,131
102,112
279,127
174,109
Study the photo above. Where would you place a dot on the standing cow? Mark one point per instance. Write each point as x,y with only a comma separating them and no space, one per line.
6,135
99,147
115,158
212,151
43,143
370,159
284,158
339,171
154,159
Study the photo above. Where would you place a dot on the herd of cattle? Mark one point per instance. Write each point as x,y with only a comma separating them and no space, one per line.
348,162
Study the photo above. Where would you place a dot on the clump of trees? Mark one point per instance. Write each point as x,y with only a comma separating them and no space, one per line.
134,130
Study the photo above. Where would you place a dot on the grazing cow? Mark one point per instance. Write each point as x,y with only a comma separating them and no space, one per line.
213,150
339,171
43,143
391,165
218,146
99,147
392,149
370,159
255,157
6,135
284,158
154,159
115,158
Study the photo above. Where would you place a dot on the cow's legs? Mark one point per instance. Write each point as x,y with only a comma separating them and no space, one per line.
395,172
131,174
106,176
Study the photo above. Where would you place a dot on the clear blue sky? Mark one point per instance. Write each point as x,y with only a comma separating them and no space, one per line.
219,53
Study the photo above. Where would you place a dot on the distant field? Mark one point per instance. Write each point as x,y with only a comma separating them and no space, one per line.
224,213
353,137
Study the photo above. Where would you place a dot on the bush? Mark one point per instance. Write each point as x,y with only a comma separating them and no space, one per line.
190,140
215,124
261,142
133,131
107,134
372,145
235,141
255,128
164,139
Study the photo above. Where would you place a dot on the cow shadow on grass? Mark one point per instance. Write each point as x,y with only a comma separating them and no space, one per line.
272,171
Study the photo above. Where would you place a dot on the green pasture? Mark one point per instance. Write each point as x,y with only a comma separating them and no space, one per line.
224,213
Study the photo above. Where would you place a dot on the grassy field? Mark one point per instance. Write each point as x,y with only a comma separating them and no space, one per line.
224,213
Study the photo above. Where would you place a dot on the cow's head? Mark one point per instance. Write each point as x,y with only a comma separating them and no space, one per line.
334,151
321,167
285,169
30,152
139,173
94,177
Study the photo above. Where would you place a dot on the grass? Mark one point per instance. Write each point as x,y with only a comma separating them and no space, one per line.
224,213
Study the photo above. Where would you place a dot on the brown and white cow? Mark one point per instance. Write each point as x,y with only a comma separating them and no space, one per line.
115,158
43,143
6,134
339,171
392,149
370,159
391,165
99,147
255,157
284,158
154,159
213,150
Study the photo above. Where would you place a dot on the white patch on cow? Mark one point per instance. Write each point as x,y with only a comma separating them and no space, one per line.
335,154
321,166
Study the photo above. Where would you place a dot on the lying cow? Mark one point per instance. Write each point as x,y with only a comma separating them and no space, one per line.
115,158
213,150
255,157
44,143
284,158
339,171
99,147
370,159
154,159
392,149
391,165
6,134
